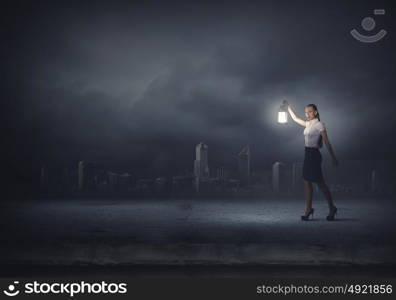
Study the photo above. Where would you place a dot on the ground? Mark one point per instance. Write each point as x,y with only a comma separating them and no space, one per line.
192,237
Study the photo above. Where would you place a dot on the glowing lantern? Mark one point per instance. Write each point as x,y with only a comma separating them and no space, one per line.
282,114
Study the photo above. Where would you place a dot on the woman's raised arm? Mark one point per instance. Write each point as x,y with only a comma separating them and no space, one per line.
293,115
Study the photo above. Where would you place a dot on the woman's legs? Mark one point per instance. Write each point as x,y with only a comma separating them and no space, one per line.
308,195
325,190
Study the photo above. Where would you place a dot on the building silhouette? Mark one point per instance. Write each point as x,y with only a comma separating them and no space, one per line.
86,176
297,169
244,166
279,178
201,167
44,182
183,185
222,174
124,182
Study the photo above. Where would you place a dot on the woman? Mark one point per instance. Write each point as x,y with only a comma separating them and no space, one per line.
315,135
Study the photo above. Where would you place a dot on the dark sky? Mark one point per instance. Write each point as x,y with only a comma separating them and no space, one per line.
137,86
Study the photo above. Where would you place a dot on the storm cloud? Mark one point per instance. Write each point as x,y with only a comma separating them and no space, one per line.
139,85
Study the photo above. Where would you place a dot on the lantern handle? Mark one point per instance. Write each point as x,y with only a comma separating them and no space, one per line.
284,106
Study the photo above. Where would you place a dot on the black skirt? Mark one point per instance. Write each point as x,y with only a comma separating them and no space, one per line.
312,167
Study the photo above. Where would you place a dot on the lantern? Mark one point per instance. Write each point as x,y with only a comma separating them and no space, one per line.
282,113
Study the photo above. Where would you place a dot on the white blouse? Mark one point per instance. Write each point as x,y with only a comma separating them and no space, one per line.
312,132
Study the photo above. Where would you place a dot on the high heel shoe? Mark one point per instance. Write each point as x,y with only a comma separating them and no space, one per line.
306,217
332,214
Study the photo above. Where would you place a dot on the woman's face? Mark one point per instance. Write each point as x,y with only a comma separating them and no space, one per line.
310,113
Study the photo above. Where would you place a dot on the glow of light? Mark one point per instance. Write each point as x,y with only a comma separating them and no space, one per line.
282,117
